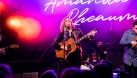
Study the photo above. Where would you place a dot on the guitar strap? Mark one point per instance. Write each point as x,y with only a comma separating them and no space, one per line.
0,37
75,35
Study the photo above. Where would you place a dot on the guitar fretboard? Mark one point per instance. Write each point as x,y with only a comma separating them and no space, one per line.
6,47
78,40
11,46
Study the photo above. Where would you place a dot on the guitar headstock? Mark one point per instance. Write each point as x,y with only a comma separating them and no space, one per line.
14,46
93,32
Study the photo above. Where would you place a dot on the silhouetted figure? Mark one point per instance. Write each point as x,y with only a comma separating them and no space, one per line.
70,73
48,74
5,71
103,70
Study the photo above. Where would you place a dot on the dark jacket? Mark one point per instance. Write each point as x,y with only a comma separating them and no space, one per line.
76,34
130,54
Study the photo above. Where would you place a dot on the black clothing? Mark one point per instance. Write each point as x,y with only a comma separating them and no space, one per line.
129,69
100,50
74,58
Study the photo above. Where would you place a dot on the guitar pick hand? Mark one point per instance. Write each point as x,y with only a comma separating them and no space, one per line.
62,47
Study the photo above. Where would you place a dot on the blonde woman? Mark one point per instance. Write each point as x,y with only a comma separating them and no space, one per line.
68,31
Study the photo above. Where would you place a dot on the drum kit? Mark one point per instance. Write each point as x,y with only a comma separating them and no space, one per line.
91,60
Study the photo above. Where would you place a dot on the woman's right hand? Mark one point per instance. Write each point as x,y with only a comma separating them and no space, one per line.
62,47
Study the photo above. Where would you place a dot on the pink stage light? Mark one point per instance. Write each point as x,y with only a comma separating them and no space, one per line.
27,28
2,6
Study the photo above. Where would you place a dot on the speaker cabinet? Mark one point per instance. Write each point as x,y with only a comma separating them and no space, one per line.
30,75
18,75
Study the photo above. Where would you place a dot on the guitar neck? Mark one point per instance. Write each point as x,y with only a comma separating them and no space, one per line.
6,47
85,36
77,41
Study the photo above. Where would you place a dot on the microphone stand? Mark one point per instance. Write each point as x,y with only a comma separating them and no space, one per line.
64,45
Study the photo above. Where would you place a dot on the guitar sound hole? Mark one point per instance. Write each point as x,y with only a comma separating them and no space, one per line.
69,47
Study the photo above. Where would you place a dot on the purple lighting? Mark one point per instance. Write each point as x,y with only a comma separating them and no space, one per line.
58,3
82,19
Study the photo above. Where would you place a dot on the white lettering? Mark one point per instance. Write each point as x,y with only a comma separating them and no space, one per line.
65,2
70,13
50,3
80,17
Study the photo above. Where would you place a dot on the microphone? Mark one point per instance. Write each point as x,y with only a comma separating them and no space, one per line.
65,28
65,31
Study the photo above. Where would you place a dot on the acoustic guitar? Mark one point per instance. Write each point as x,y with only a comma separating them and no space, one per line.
71,45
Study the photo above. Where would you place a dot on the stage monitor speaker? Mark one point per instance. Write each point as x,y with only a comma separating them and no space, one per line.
30,75
17,75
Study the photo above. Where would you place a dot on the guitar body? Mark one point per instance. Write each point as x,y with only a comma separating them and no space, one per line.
60,53
71,45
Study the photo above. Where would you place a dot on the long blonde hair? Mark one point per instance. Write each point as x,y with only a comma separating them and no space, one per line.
63,24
